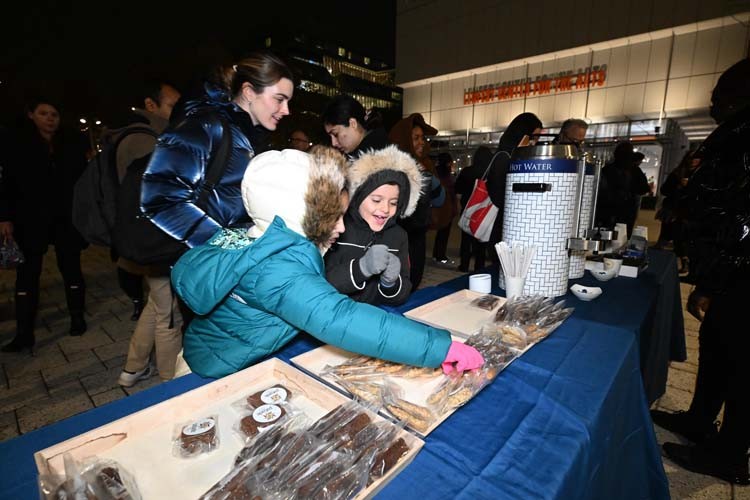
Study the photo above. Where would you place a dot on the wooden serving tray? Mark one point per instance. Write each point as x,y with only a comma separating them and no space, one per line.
454,313
142,442
415,390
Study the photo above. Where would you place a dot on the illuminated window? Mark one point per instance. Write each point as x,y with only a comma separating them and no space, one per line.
268,41
342,51
367,60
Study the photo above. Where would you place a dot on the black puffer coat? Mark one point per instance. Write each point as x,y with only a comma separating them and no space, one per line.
717,207
176,174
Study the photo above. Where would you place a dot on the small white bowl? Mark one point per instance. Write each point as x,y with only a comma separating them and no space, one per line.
604,275
586,293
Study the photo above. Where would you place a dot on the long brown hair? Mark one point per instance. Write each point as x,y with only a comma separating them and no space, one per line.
259,69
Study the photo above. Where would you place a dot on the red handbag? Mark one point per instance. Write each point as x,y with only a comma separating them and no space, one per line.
480,213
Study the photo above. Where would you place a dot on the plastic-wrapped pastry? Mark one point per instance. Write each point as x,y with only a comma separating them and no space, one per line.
367,392
94,479
486,302
385,460
271,396
196,437
260,418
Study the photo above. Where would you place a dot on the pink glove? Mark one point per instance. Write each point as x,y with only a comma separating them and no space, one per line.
464,356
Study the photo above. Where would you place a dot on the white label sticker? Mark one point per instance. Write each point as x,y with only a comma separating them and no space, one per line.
266,413
199,427
274,395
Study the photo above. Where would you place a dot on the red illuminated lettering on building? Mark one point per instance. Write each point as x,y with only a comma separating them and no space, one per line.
564,81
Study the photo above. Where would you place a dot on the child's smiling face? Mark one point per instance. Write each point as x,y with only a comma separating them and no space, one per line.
379,206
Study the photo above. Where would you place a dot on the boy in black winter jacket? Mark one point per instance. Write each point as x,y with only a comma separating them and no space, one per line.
370,261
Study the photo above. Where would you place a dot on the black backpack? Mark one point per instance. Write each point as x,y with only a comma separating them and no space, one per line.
95,192
136,237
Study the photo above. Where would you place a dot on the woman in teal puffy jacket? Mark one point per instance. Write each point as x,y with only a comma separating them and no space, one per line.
255,290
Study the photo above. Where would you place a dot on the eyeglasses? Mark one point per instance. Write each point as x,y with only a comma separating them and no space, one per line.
295,139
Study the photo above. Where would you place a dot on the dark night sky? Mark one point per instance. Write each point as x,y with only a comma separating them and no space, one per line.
91,55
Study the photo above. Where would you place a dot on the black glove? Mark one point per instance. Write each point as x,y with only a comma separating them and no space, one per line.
374,261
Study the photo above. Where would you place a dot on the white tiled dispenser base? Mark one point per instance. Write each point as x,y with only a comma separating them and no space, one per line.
544,219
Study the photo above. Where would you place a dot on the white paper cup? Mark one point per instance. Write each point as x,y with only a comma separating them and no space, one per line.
514,286
613,263
481,283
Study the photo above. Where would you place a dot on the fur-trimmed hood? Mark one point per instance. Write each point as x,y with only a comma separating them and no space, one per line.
303,189
375,168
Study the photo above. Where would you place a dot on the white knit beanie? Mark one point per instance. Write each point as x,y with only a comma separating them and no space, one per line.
274,184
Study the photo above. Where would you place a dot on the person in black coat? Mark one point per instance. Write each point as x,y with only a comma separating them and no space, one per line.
39,173
467,177
352,130
410,135
519,133
717,210
621,186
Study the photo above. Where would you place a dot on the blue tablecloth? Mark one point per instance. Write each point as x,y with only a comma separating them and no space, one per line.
567,420
649,307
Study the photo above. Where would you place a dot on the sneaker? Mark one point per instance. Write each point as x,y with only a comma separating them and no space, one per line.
709,460
684,424
445,263
128,379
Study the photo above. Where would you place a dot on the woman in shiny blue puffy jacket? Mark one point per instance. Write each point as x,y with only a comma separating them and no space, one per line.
251,98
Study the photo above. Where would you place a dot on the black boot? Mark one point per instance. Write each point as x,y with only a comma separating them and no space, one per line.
18,345
137,309
684,424
712,459
75,296
25,316
77,325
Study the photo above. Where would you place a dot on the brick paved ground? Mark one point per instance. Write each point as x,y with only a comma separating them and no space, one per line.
69,375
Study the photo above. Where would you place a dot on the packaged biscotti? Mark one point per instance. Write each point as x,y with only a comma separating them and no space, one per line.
335,457
345,420
93,479
349,478
418,417
536,315
196,437
367,393
373,370
387,458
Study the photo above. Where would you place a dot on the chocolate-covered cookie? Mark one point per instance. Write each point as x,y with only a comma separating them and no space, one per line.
263,416
199,436
271,396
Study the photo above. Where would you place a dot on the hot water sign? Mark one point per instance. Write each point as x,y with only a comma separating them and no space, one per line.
548,165
564,81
